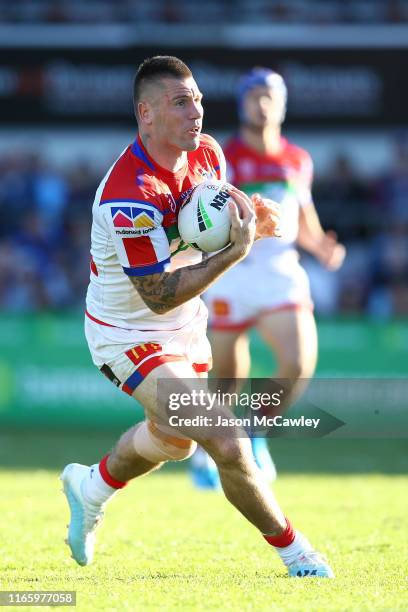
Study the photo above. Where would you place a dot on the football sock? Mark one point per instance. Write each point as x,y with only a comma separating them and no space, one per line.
290,544
99,486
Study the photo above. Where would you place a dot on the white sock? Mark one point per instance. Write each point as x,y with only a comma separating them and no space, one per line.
299,545
94,488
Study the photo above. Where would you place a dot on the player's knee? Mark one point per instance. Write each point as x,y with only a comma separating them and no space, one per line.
296,368
151,443
230,451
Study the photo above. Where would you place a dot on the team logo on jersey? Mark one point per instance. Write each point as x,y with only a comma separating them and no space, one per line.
138,220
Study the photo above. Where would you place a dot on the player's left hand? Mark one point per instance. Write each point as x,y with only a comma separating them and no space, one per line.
330,252
267,217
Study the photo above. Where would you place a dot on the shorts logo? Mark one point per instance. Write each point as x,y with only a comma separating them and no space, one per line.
129,216
106,370
139,352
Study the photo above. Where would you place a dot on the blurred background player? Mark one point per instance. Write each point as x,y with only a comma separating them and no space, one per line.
277,301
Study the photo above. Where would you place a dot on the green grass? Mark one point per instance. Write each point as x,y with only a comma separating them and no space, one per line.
166,546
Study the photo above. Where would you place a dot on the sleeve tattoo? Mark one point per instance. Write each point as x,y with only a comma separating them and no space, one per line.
161,292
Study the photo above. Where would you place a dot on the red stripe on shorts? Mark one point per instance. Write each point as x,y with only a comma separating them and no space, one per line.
142,371
94,269
154,362
225,326
201,367
287,306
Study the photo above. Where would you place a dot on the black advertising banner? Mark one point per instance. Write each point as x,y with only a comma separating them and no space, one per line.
363,87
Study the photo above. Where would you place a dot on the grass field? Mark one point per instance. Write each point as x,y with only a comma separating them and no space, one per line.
167,546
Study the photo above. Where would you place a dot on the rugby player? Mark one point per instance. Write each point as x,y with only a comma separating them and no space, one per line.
145,321
279,305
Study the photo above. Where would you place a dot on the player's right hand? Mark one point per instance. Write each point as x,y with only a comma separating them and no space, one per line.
243,223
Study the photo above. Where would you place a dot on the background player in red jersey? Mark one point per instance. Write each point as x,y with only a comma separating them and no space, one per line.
146,322
278,304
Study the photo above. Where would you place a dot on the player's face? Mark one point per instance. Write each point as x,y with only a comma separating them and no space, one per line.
178,114
264,106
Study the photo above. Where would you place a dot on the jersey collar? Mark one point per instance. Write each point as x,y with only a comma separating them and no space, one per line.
140,152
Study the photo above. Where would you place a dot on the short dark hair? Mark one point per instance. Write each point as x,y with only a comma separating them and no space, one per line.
155,67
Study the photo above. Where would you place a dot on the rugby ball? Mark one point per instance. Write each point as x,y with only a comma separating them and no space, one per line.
204,220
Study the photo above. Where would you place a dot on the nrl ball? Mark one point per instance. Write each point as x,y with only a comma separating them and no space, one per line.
204,220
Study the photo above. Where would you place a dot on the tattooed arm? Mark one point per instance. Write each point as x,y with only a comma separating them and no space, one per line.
164,291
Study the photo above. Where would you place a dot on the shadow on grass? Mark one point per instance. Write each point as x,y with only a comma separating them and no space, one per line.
28,449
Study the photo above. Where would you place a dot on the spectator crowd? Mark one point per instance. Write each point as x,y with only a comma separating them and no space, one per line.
213,11
45,217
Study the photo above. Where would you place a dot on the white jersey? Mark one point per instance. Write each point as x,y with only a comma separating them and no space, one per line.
286,178
271,272
134,233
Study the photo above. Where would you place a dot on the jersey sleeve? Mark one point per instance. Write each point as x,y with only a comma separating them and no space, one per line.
305,180
138,236
222,163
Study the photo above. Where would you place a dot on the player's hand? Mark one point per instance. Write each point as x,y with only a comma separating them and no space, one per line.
267,217
330,252
243,223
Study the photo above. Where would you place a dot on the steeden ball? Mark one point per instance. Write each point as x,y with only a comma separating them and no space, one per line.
204,220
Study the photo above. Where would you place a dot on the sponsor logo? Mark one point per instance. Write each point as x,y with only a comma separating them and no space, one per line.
204,221
134,232
106,370
185,196
131,216
220,200
306,572
143,220
171,201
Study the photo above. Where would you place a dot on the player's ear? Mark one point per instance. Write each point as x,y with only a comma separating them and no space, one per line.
145,112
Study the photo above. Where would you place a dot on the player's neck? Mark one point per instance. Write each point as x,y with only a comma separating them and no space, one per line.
169,158
264,140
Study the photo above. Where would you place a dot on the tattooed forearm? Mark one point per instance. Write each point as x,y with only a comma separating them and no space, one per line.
158,291
167,290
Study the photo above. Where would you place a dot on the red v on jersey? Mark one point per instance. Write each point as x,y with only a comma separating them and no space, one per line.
135,209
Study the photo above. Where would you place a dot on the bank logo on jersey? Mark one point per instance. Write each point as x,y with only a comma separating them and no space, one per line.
143,220
132,216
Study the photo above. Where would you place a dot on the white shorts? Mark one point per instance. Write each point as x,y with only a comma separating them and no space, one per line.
249,290
127,356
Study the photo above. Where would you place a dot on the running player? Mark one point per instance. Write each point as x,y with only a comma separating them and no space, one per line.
145,320
278,304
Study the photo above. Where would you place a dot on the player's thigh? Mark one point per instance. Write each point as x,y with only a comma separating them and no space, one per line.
231,357
292,335
179,378
151,391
